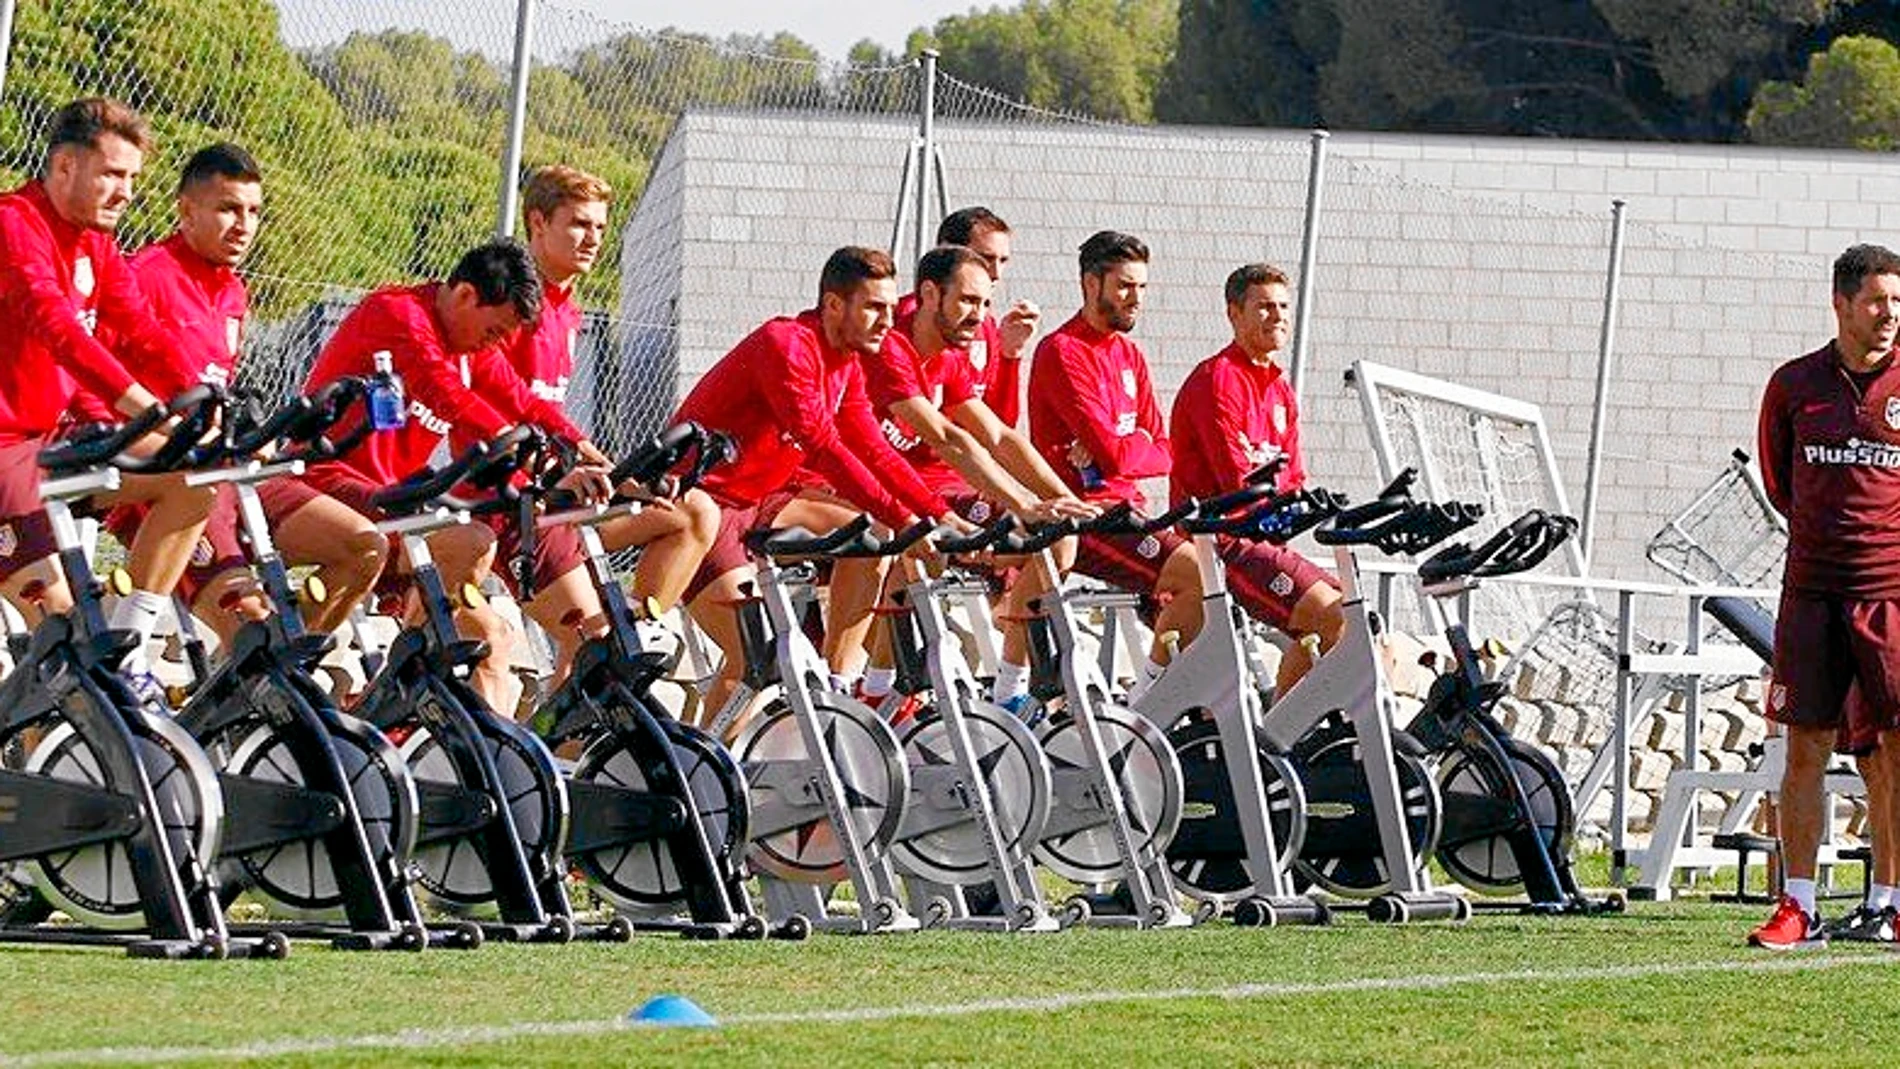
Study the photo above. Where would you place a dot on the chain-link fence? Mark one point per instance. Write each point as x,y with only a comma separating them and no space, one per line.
380,127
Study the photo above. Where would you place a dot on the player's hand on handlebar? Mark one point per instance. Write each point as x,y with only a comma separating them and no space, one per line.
588,481
1057,508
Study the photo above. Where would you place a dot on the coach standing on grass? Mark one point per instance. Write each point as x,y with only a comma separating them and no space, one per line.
1830,457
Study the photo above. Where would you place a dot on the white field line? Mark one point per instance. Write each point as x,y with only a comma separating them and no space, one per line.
437,1038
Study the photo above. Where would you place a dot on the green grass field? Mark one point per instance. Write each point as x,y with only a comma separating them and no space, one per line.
1662,983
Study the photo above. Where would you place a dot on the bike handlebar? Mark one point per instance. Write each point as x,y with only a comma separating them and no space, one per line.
799,542
478,463
1518,546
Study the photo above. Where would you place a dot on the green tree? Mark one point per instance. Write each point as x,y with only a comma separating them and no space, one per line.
1101,58
1607,68
1850,98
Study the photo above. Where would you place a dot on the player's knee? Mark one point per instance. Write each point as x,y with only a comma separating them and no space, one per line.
703,515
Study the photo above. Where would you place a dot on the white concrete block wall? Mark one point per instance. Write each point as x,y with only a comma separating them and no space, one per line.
1481,260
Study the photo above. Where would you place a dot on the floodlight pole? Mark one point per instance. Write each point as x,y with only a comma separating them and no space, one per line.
1309,254
517,117
1606,350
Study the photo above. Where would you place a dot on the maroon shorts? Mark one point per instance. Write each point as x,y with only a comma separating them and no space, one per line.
728,549
557,551
217,550
283,496
1837,665
1130,562
26,534
1269,580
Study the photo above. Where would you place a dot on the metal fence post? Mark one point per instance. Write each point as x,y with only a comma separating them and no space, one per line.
927,150
517,117
1309,253
1606,349
6,40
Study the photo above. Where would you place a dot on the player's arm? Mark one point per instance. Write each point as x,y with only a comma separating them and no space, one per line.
433,377
32,278
1010,447
1077,394
858,430
960,450
1775,441
497,382
796,394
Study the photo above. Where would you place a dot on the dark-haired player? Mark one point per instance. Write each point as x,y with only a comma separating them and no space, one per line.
428,330
791,393
1235,412
61,279
1830,460
1093,417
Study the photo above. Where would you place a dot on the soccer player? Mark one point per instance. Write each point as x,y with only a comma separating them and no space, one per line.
191,282
997,351
428,330
793,391
1830,459
1236,412
924,391
1093,417
61,277
565,213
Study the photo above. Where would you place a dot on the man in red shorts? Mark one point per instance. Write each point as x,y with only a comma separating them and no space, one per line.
924,392
61,278
1093,417
996,353
1830,459
793,392
1236,412
190,280
429,331
565,213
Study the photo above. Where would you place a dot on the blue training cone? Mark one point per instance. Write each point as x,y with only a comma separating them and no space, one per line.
672,1011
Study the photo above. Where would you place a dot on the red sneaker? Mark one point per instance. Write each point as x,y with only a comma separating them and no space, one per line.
1791,928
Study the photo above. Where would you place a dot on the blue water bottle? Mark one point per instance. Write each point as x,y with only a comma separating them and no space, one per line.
388,409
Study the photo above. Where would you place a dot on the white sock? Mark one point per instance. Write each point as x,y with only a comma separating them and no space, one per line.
1011,680
1879,897
841,684
138,612
878,681
1802,891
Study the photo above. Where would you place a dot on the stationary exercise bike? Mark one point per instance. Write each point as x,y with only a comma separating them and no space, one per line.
116,812
1246,813
829,783
981,787
321,810
659,808
1509,817
494,806
1118,793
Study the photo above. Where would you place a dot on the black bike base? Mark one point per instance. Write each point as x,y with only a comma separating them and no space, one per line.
462,935
746,929
1262,912
270,946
